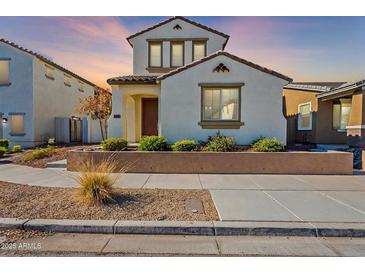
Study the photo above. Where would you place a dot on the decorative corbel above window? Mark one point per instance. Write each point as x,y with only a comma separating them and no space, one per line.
221,68
177,27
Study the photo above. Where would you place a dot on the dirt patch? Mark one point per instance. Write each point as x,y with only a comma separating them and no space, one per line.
21,201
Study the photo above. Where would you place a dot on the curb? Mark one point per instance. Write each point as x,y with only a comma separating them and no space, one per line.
215,228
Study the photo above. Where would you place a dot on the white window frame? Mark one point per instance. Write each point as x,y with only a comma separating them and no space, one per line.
300,117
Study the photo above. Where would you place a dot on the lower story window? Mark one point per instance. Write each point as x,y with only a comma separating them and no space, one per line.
305,116
341,114
17,124
221,104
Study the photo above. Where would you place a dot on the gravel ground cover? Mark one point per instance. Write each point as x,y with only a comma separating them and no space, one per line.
22,201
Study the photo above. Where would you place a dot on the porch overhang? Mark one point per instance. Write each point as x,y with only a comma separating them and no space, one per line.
133,80
342,91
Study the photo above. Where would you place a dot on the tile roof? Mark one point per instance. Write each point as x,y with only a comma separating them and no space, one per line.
133,79
181,18
314,86
345,87
46,60
224,53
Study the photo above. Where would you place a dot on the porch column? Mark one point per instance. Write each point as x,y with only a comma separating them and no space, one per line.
115,128
356,125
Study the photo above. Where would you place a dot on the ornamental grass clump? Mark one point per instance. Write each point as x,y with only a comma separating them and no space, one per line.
4,143
153,143
96,183
39,153
185,145
268,145
220,143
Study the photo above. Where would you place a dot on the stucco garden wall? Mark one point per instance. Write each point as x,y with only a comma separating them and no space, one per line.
219,163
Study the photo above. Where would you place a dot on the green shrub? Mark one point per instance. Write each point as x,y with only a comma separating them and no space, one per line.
153,143
2,151
268,145
220,143
17,148
114,144
185,145
39,153
4,143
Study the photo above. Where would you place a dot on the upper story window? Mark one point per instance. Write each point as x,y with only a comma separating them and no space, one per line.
81,86
341,114
177,54
67,80
199,50
49,72
305,116
155,54
4,72
221,104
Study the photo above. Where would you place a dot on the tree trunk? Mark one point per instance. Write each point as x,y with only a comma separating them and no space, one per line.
101,129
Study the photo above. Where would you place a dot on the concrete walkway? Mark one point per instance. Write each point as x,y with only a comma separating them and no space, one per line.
263,198
177,245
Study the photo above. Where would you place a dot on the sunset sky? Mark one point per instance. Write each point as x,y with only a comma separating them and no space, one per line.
304,48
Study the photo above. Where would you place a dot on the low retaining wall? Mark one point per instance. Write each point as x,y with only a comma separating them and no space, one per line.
220,163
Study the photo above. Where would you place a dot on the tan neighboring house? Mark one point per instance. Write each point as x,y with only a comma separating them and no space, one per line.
330,113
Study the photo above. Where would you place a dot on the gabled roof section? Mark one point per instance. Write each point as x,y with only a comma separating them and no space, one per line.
181,18
344,88
224,53
46,60
314,86
132,79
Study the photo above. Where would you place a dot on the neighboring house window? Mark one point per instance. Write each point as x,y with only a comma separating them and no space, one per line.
4,72
81,86
177,54
17,124
155,54
67,80
49,72
305,116
199,50
341,114
221,104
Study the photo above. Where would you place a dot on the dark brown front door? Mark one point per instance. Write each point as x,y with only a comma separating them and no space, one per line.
149,116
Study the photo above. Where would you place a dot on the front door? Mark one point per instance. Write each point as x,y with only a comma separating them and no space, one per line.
149,116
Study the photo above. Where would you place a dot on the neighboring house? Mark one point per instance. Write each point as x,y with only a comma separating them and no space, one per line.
185,86
326,113
38,100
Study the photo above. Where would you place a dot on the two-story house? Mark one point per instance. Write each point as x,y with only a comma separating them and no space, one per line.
184,85
39,100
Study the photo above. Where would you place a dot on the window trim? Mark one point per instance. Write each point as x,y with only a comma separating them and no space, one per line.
51,68
149,53
81,84
183,55
17,114
68,77
9,82
310,117
193,50
220,124
339,129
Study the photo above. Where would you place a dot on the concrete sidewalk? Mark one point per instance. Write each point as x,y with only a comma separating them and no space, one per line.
172,245
264,198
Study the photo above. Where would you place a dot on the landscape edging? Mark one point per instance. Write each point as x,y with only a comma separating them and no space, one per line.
184,227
